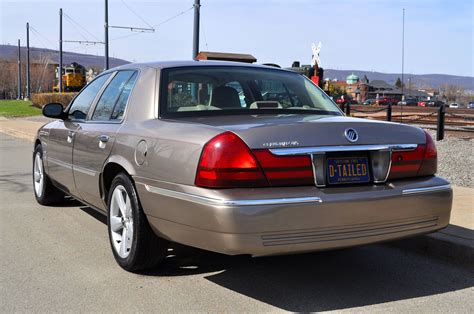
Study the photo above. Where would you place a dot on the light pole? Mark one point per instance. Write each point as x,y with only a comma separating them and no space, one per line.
197,6
60,70
19,71
106,34
403,50
27,96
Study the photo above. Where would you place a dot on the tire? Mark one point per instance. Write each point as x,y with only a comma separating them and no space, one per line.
45,192
134,244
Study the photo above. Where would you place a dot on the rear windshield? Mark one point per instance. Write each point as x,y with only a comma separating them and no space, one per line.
224,90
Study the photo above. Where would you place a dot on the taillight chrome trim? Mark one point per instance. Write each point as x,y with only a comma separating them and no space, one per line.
232,202
345,148
427,190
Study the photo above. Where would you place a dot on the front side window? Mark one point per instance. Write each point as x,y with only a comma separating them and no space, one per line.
83,102
213,90
115,96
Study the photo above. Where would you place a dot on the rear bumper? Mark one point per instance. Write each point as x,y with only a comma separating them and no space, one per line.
270,221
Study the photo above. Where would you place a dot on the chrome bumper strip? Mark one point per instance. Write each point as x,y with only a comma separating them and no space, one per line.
236,202
427,190
348,148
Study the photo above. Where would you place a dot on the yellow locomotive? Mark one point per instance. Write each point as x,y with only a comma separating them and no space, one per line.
73,78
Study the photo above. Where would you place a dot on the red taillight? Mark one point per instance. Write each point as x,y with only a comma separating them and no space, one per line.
429,165
285,170
420,162
226,162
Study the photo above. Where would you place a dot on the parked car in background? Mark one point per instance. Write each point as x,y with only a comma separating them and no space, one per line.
408,102
387,100
434,103
369,102
470,105
422,103
346,100
454,105
168,151
430,103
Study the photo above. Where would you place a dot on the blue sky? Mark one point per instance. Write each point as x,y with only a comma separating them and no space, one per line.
362,35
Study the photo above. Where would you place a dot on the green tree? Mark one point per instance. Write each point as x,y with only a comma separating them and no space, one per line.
399,84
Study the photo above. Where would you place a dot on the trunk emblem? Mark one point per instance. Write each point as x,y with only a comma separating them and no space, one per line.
351,135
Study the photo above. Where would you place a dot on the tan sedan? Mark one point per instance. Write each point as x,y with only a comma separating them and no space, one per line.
234,158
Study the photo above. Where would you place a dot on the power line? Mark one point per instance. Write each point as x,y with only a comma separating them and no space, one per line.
72,21
136,14
156,25
204,35
173,17
42,36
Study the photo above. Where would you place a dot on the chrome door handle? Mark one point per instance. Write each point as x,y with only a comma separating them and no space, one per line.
70,136
104,138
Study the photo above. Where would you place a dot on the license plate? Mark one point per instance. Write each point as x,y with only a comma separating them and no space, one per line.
348,170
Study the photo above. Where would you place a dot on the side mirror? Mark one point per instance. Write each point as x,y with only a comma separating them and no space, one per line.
54,110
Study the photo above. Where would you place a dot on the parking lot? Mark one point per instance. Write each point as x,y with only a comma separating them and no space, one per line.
58,259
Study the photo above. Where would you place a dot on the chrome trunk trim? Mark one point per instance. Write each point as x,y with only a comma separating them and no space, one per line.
236,202
427,190
347,148
318,157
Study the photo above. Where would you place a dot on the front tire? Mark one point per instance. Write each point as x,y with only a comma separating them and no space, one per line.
134,245
45,192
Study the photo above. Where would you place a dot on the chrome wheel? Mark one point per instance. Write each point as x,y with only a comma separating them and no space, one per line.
38,175
121,221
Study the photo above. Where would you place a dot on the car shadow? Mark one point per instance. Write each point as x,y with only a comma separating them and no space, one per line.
321,281
331,280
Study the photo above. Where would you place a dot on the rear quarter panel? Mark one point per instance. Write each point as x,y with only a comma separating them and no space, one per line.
173,149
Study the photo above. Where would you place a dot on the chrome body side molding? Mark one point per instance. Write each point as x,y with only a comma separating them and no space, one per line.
426,190
235,202
59,163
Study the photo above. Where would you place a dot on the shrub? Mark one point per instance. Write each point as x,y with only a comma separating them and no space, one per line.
41,99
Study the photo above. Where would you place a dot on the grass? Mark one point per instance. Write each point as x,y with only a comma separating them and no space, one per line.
18,108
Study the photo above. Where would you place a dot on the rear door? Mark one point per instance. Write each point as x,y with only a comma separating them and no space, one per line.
95,138
62,136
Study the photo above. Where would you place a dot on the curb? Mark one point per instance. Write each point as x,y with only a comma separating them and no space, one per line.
452,244
27,136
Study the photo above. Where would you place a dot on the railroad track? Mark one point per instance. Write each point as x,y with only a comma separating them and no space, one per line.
455,119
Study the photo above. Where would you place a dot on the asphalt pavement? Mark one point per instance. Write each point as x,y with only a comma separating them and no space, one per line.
57,259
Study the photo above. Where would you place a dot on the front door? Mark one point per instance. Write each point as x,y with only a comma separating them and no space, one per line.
58,154
62,136
95,138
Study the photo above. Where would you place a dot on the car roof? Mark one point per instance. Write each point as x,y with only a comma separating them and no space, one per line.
188,63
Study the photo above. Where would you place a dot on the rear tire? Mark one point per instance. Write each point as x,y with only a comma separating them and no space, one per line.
134,244
45,192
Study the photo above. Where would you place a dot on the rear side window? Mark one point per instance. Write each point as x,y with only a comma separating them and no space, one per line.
111,104
82,103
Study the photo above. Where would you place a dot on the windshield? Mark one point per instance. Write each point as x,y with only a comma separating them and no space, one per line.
215,90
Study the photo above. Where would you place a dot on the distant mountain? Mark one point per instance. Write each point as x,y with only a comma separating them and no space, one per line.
87,60
418,80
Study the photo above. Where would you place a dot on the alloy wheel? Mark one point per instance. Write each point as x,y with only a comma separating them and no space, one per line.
38,175
121,221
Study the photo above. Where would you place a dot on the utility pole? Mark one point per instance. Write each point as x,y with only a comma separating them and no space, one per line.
197,6
403,50
19,71
106,28
27,61
60,70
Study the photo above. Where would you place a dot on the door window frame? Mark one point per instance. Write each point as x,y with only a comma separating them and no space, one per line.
99,95
106,83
